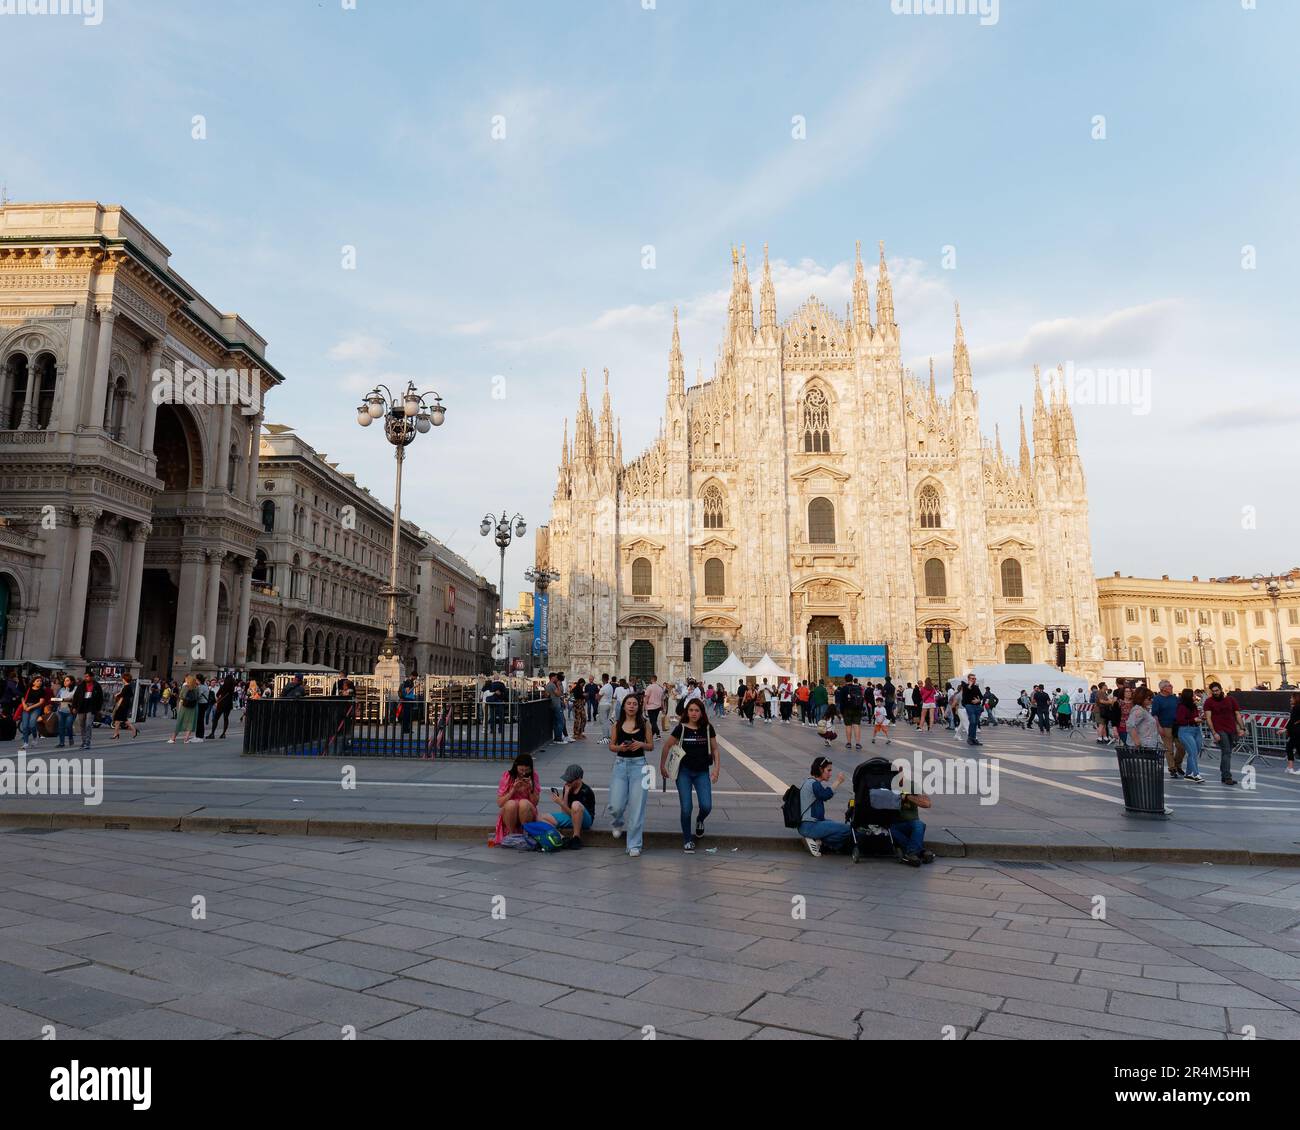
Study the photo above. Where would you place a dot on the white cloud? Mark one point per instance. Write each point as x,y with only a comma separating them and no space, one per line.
1133,332
359,347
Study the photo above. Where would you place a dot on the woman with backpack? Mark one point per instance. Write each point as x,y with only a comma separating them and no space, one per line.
224,704
697,766
186,711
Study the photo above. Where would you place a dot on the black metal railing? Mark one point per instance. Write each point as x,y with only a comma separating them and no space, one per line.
328,727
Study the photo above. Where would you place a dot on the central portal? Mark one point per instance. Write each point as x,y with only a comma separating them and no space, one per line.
822,630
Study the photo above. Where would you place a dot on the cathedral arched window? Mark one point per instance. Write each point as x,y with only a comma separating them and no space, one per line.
821,521
115,409
715,583
815,425
931,509
715,512
1013,580
642,577
936,578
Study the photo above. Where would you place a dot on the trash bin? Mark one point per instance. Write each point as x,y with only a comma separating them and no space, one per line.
1142,774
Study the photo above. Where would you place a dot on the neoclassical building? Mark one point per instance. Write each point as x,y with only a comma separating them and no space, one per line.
1210,629
129,526
322,558
456,609
815,491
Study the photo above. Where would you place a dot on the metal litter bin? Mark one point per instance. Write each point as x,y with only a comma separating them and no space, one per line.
1142,774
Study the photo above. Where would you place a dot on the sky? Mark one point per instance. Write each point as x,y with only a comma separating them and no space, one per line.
1100,184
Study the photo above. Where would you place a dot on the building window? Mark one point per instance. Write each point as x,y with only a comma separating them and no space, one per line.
714,577
1259,619
1018,653
1293,616
642,577
715,514
821,521
268,516
1013,580
1135,653
1180,616
931,508
1229,619
1160,655
1234,657
15,383
1203,617
1155,615
1184,655
1130,615
816,423
936,578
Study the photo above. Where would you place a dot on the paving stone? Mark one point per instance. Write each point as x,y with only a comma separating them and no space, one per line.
485,952
1107,1021
382,958
1011,985
425,1024
694,994
616,980
327,1003
240,1015
1183,1013
161,1024
637,1014
823,1018
488,981
443,998
346,976
397,937
554,1023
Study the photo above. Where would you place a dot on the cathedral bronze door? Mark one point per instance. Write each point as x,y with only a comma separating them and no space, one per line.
822,630
939,664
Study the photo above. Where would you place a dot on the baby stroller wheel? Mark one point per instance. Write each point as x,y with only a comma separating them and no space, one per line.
857,854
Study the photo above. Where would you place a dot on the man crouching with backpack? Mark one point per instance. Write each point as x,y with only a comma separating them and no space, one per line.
817,831
577,805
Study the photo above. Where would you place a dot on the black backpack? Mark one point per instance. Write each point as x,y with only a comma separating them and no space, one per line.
853,696
791,807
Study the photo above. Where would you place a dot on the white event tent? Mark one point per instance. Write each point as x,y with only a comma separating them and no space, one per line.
730,673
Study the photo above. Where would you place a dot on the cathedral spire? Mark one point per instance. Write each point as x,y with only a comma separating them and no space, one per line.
934,396
1024,444
884,294
997,442
584,432
961,376
861,299
744,297
606,449
766,297
676,370
618,442
564,446
1043,444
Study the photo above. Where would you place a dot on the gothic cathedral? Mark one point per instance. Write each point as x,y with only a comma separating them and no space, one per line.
812,492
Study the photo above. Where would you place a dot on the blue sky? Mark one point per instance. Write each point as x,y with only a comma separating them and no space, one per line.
671,127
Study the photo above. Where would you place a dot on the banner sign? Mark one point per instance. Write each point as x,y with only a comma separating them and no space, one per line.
865,660
542,624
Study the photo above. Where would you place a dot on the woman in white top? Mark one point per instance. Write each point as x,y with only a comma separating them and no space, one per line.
63,696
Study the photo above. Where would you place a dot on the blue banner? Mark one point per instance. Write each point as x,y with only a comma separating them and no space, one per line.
865,660
541,624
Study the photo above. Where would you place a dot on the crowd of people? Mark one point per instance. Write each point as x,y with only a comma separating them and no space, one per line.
68,709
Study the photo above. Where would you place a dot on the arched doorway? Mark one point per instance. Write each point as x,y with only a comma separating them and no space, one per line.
178,448
8,607
938,664
641,660
822,630
155,645
101,595
1018,653
714,655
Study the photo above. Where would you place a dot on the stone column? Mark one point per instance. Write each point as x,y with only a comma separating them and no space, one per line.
215,557
28,419
245,568
255,447
135,576
99,389
187,599
223,451
150,420
85,517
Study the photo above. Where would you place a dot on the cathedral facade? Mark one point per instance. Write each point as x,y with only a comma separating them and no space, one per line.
812,492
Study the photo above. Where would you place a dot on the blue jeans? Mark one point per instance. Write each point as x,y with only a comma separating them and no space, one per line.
66,718
1225,741
627,792
973,724
703,789
1190,736
27,724
909,835
557,723
834,834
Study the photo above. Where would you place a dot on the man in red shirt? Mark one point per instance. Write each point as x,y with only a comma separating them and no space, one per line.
1225,722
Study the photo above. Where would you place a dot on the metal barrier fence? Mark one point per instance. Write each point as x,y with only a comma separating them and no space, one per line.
321,726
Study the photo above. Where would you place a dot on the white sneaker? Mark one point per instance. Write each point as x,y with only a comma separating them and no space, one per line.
196,739
633,852
1294,772
171,741
617,833
814,846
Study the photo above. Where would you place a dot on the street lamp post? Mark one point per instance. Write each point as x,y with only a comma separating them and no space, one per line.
1273,585
1202,642
411,414
541,580
1059,635
504,537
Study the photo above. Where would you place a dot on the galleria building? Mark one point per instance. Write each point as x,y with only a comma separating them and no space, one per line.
813,491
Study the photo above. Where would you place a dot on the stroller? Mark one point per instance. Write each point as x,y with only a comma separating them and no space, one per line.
869,826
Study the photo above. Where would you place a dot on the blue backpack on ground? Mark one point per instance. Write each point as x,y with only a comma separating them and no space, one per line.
545,836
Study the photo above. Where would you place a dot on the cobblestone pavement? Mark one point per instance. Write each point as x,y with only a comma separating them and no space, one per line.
312,938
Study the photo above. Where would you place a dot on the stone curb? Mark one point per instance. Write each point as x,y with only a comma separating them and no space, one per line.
396,830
